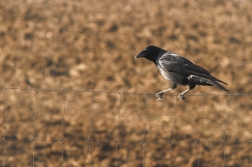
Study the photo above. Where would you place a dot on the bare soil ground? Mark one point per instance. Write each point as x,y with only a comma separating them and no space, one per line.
52,52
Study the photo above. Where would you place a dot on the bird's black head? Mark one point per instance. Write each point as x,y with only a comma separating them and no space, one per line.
151,53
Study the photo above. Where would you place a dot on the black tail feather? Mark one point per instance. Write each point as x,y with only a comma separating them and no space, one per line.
215,79
209,82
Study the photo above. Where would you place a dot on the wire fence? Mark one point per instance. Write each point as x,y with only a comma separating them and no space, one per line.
42,127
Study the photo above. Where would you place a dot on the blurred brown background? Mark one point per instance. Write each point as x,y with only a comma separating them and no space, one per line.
64,48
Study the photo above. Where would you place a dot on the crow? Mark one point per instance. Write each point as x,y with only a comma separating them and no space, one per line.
179,70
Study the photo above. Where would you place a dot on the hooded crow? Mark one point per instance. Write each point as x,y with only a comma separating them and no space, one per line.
179,70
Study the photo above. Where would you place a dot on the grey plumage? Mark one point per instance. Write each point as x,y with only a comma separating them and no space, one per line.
179,70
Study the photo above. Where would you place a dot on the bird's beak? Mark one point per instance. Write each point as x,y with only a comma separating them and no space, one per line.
142,54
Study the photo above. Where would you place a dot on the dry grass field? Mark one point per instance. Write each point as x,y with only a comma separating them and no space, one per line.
73,94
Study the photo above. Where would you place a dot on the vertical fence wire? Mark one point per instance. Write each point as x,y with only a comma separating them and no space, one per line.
62,128
170,136
145,124
5,125
89,131
225,132
199,128
34,127
117,126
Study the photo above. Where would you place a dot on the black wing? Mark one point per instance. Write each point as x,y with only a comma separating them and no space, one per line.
174,63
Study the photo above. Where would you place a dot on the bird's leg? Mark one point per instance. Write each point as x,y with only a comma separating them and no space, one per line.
159,95
182,95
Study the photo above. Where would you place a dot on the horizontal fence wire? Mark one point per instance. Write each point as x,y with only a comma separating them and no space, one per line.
104,111
119,92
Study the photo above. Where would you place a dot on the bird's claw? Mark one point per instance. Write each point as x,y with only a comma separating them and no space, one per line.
159,96
182,97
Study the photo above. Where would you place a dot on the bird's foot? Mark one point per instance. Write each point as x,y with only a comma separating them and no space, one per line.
160,96
182,97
